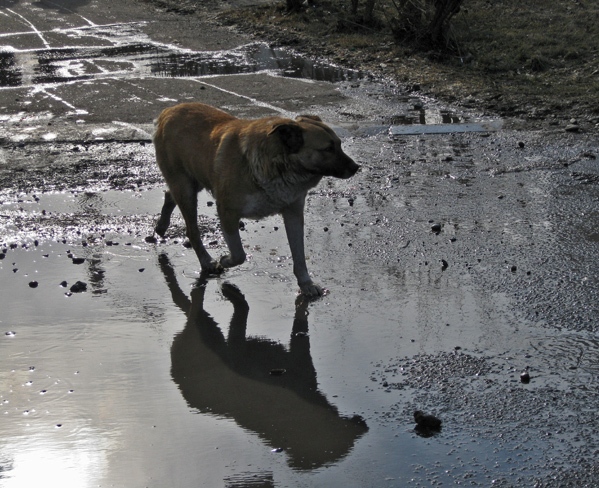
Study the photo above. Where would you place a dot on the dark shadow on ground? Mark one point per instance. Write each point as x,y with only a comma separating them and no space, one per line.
264,386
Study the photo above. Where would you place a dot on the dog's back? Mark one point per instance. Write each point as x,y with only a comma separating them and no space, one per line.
184,132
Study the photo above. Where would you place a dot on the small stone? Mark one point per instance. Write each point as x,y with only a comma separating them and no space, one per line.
521,145
436,228
150,239
78,260
572,128
525,377
79,287
33,284
426,422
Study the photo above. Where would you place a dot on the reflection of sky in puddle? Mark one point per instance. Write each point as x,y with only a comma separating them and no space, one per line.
37,457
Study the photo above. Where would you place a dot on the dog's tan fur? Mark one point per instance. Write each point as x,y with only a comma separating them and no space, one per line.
253,168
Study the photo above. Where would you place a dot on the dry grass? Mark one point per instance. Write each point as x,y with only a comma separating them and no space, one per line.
515,57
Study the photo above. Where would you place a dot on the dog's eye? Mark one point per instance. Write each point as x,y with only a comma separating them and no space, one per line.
330,148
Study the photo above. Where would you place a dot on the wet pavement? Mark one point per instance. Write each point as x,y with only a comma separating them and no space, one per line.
461,257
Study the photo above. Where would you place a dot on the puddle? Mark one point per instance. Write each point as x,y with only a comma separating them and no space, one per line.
253,58
232,379
136,59
9,72
425,116
453,128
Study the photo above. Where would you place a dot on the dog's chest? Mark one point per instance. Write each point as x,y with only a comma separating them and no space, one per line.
260,204
272,199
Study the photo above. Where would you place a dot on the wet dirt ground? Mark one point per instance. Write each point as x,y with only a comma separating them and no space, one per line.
461,256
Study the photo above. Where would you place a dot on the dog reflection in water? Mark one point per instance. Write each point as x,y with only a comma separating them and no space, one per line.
263,386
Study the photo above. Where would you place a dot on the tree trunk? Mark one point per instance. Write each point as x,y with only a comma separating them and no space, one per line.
369,11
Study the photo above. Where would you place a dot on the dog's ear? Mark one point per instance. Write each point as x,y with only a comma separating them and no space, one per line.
290,134
309,117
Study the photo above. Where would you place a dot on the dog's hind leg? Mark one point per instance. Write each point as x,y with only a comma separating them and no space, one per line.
185,194
229,222
165,214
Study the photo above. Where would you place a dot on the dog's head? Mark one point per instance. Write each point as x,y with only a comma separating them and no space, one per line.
315,146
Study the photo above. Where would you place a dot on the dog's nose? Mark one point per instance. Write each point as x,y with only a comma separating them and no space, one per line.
353,166
350,169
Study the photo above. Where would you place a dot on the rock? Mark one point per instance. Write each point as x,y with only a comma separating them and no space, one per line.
33,284
426,425
79,287
78,260
525,377
150,239
436,228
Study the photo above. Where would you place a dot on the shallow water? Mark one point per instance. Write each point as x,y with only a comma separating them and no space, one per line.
153,360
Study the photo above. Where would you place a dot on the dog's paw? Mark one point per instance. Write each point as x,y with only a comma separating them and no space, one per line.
312,290
161,227
228,261
213,268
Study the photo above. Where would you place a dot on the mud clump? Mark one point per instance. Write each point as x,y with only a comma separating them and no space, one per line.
79,287
426,424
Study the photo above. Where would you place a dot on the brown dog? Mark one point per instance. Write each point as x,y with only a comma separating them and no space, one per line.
253,168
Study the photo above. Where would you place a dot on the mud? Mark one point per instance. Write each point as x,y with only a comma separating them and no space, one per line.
455,261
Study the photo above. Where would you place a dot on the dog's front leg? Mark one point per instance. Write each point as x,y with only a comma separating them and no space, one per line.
293,216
